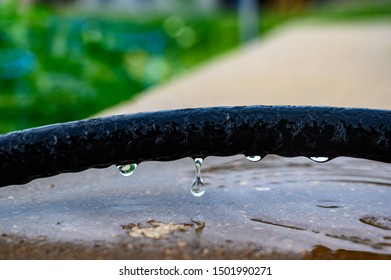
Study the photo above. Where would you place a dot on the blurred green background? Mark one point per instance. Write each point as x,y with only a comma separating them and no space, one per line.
66,60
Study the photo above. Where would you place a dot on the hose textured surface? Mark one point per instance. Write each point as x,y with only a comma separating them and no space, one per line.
200,132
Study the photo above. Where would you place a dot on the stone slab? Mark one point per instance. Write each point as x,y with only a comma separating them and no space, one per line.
275,208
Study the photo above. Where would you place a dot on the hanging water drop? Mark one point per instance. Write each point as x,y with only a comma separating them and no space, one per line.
198,186
127,169
254,158
319,159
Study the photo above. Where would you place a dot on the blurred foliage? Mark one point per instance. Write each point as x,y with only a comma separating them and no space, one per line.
352,10
58,66
282,11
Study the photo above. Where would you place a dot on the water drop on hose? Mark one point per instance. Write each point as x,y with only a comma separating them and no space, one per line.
254,158
319,159
198,186
127,169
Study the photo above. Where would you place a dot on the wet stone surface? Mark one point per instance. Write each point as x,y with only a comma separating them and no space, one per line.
273,208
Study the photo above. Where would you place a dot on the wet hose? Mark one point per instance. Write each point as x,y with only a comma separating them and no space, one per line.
169,135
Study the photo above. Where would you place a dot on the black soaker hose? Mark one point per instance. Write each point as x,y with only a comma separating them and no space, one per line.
170,135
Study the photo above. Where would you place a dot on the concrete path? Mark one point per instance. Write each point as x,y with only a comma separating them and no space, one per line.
276,208
331,65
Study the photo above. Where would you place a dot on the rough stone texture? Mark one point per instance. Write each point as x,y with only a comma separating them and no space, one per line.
276,208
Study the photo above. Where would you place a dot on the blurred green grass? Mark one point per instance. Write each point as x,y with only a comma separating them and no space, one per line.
58,65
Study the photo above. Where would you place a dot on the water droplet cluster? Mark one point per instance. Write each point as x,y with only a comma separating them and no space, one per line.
198,185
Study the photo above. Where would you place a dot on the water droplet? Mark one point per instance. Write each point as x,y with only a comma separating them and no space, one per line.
319,159
127,169
198,186
199,221
254,158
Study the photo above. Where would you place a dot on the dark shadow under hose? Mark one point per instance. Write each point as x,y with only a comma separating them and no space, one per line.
201,132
